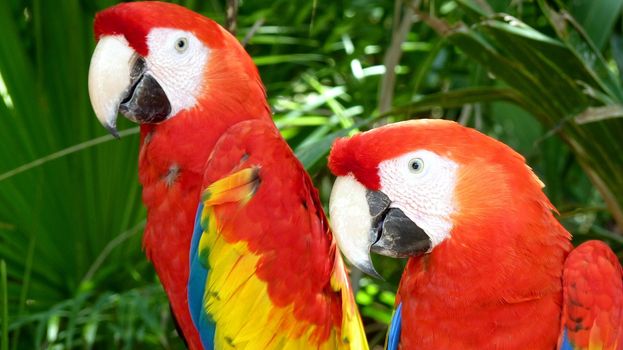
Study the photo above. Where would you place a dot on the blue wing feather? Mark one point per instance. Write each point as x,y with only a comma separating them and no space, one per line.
196,287
393,338
566,343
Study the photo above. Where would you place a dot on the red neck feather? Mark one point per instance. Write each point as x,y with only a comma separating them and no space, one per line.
496,282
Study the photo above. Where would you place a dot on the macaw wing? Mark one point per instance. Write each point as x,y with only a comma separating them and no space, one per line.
395,327
196,285
592,314
265,271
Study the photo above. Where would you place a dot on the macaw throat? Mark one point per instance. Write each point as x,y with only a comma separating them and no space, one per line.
145,101
392,232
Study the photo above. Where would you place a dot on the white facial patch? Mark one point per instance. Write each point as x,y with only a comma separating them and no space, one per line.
177,61
421,184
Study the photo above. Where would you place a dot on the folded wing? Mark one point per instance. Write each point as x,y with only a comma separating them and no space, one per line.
592,315
265,270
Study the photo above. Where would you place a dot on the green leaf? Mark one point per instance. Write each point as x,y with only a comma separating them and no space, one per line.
555,85
292,58
5,307
597,18
458,98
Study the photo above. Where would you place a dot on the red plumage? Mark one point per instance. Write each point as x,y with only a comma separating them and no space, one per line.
283,223
497,281
135,20
234,93
593,302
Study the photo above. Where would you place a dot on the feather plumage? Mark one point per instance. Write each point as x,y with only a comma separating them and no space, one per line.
497,281
274,276
225,265
592,311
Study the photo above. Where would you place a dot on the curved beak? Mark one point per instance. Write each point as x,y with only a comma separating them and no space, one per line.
364,221
120,82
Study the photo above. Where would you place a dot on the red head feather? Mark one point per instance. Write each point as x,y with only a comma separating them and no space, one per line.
362,153
135,20
232,87
483,161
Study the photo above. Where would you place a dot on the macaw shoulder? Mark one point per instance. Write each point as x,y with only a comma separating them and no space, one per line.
283,202
251,142
284,190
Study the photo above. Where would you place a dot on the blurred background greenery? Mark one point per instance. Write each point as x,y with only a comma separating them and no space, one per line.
543,76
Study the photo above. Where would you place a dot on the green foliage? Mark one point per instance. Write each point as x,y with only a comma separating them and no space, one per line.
70,209
559,82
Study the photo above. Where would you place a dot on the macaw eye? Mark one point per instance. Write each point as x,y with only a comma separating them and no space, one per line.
416,165
181,44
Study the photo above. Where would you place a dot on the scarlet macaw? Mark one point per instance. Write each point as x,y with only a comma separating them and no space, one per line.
489,265
235,229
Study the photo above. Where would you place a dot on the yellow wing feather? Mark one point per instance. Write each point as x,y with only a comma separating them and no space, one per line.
238,301
352,328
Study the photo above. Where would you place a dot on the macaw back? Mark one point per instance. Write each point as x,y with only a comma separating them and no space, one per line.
275,277
172,160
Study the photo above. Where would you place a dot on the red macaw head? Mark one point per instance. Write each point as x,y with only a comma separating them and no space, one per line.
404,189
154,60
